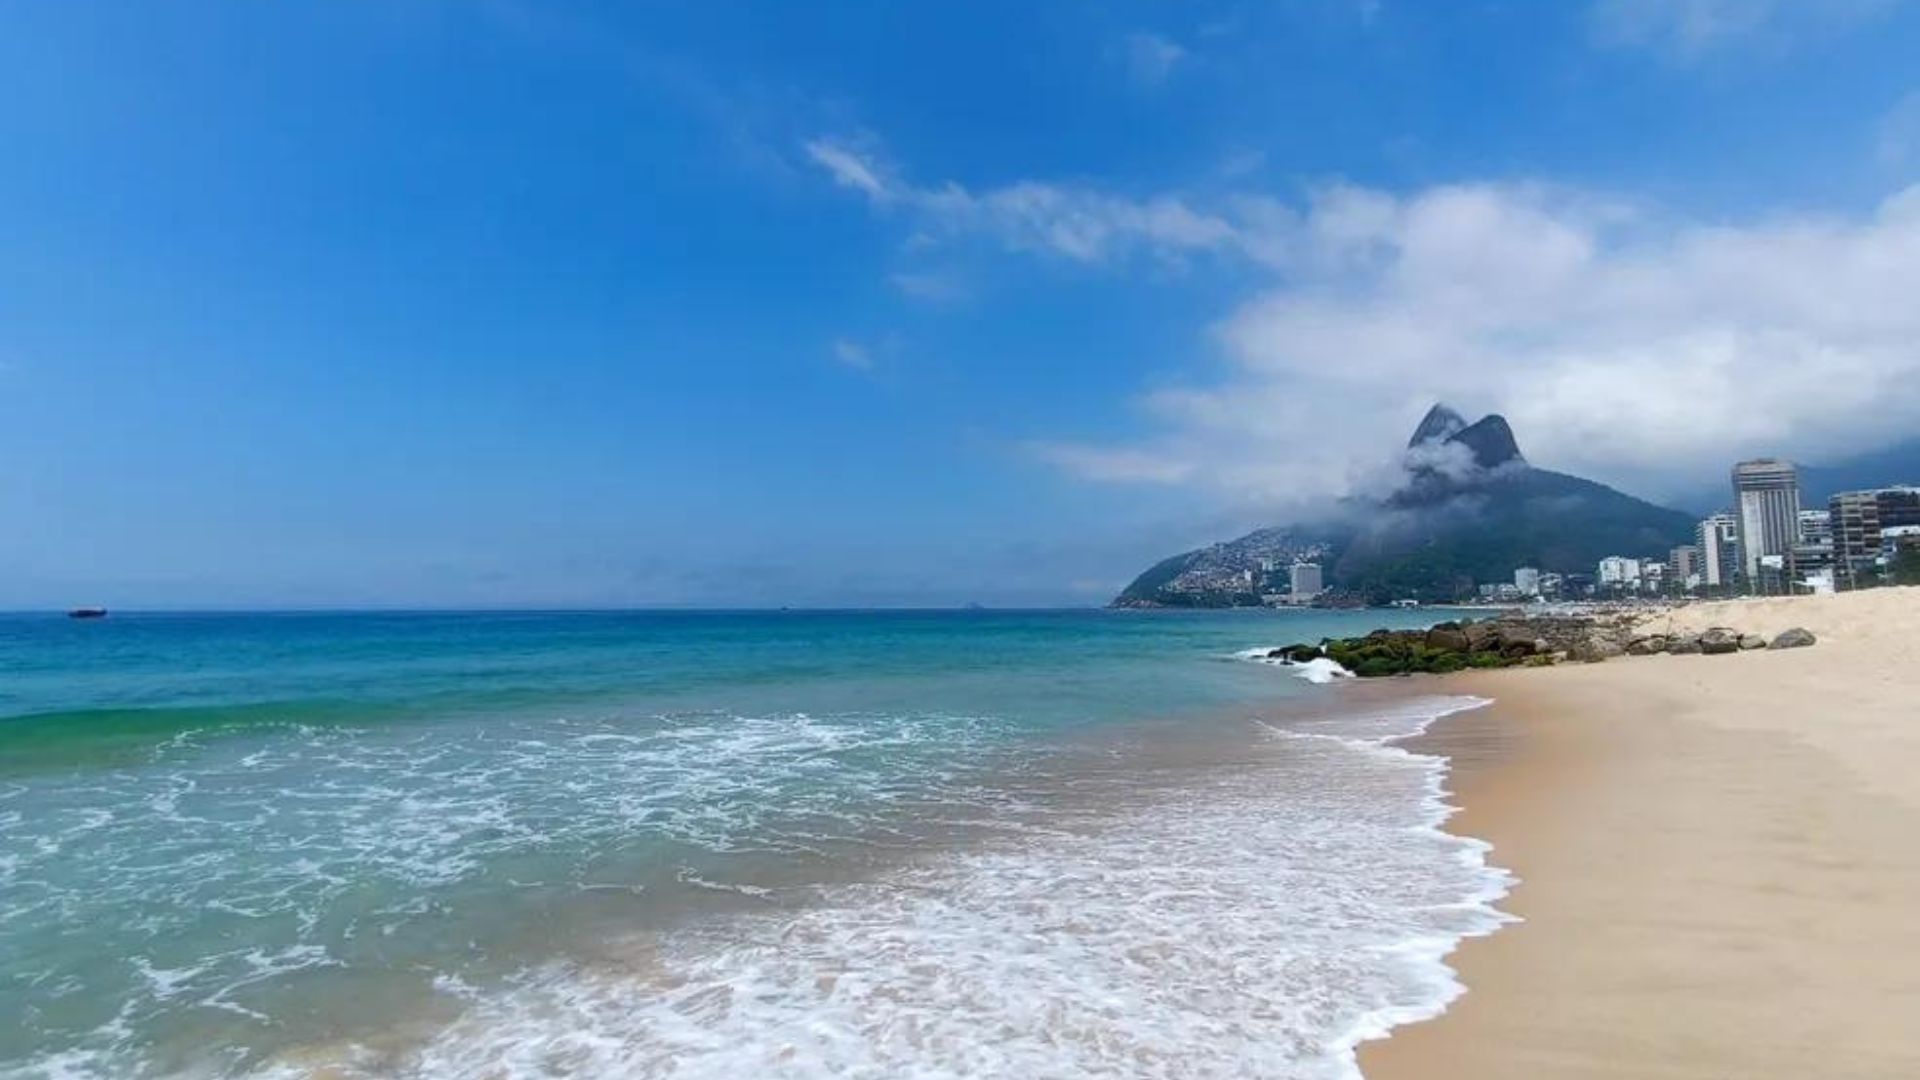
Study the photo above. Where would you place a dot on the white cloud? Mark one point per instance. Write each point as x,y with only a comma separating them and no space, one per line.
1069,221
1897,139
1621,346
849,168
1150,58
1692,27
1621,343
852,354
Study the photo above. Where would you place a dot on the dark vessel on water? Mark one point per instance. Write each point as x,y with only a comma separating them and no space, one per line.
87,613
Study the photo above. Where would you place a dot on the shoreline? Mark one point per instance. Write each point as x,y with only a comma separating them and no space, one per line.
1714,859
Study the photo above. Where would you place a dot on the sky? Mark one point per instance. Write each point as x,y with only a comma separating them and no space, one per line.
497,303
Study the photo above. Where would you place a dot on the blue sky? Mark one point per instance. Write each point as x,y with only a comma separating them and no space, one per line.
426,302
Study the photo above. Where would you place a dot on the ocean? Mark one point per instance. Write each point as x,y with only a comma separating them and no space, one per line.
714,844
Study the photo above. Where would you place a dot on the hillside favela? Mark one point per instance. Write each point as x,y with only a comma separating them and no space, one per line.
958,540
1475,522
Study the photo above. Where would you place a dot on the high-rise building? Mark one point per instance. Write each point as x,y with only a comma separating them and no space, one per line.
1719,550
1855,518
1683,565
1527,580
1766,497
1860,522
1898,506
1305,579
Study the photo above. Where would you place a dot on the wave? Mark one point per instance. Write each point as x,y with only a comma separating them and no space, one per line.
1319,670
1261,922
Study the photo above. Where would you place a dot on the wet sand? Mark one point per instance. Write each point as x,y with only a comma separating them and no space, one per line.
1719,860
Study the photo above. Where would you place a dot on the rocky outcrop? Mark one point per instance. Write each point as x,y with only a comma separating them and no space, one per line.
1518,640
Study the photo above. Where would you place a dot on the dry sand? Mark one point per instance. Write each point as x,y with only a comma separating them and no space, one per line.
1719,857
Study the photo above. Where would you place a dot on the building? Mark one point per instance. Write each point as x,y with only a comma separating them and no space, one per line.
1861,520
1552,586
1718,540
1854,518
1527,580
1305,578
1766,502
1617,570
1898,506
1683,566
1653,575
1897,538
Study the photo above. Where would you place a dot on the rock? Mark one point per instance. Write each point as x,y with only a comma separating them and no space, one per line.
1796,638
1295,654
1448,637
1596,649
1720,640
1518,640
1685,645
1749,642
1647,646
1481,635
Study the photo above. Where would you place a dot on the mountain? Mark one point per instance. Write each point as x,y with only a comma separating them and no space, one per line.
1889,467
1470,510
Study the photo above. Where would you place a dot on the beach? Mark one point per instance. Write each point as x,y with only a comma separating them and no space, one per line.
1717,858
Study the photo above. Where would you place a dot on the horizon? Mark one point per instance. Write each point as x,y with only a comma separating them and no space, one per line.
542,308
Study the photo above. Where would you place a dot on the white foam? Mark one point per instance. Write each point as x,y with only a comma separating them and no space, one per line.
1262,923
1320,670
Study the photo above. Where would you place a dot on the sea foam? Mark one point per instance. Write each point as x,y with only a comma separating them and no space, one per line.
1260,923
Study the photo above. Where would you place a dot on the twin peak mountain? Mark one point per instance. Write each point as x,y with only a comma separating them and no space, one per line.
1468,511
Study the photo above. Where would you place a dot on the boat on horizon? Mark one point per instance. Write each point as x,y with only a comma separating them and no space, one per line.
87,613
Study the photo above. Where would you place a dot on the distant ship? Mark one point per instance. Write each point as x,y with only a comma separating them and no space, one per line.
87,613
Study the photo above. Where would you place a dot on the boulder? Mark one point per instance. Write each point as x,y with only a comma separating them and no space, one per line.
1720,640
1517,635
1647,646
1796,638
1685,645
1448,637
1295,654
1749,642
1595,649
1481,635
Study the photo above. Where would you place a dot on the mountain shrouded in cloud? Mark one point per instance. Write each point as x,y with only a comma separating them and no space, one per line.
1468,509
1637,346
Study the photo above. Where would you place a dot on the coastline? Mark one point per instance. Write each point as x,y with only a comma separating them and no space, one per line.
1714,854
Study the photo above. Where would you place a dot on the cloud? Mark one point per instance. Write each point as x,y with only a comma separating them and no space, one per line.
850,168
931,286
1897,138
1693,27
1620,344
852,354
1150,58
1074,222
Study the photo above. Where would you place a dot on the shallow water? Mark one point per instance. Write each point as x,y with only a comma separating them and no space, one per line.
876,844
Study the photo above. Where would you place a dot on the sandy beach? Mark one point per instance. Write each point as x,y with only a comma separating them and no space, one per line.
1719,858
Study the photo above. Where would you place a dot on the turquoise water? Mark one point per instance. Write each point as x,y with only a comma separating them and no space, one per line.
699,843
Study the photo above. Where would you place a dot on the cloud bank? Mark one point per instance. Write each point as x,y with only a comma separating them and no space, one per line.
1621,343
